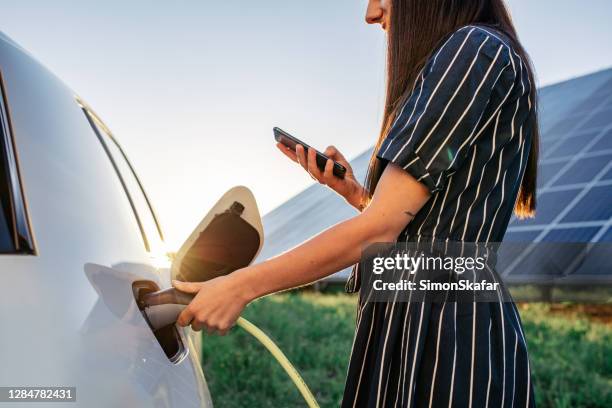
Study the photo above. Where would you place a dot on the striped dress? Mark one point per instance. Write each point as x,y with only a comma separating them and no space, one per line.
464,132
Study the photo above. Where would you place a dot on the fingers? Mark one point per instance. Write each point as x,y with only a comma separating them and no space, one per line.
290,153
188,287
312,166
210,325
202,320
328,173
335,155
185,318
301,156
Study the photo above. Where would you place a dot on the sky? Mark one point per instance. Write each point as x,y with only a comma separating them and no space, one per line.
193,88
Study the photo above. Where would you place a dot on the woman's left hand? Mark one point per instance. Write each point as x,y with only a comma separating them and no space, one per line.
216,306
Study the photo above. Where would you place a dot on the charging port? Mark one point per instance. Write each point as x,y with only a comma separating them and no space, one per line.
167,336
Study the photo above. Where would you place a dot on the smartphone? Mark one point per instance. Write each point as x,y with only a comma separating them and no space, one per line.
291,142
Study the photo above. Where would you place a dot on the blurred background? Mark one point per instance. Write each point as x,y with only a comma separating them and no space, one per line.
192,90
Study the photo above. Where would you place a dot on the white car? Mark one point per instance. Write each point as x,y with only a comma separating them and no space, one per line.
80,243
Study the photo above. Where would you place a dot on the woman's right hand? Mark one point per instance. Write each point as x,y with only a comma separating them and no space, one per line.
348,187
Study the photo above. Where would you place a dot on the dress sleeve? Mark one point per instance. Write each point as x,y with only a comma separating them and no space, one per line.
431,133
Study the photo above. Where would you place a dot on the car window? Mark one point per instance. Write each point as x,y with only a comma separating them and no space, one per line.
143,210
6,239
15,235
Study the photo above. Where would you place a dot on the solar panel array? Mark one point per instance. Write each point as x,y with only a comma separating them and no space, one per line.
574,186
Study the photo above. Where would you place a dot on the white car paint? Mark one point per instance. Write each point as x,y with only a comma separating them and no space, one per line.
67,313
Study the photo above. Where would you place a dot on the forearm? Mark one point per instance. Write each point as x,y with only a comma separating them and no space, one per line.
332,250
397,198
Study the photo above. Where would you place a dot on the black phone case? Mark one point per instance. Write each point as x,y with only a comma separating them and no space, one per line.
290,141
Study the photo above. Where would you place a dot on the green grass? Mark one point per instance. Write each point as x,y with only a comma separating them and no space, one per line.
571,356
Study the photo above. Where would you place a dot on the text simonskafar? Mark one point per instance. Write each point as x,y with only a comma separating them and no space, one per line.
460,285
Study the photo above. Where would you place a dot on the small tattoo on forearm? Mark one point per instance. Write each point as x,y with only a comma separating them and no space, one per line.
409,213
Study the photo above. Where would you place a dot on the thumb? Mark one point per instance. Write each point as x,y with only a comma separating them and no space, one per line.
188,287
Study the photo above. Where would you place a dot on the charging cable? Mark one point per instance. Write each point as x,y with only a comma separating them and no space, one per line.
163,307
281,358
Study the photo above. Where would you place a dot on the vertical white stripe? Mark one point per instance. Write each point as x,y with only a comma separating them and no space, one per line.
364,358
422,76
452,384
399,380
447,41
528,384
482,173
357,325
405,360
514,373
499,163
416,353
435,369
473,349
416,103
518,322
448,185
521,63
450,100
489,381
383,356
503,193
463,190
404,349
452,131
433,93
473,137
503,328
428,213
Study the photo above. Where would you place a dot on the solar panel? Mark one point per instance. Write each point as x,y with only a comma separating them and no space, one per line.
607,236
569,145
600,118
563,127
548,170
574,186
595,205
580,234
550,203
584,170
588,106
522,236
604,143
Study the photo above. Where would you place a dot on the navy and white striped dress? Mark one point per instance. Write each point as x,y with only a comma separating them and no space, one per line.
465,133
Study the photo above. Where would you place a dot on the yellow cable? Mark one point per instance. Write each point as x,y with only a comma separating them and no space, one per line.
281,358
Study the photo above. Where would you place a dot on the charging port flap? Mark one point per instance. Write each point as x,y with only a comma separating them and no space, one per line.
228,238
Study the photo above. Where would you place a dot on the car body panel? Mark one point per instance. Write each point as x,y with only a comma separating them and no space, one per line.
57,328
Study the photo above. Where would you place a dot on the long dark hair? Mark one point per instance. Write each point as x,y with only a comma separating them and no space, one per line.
416,28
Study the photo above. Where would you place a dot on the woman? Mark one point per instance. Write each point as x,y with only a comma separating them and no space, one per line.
456,155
